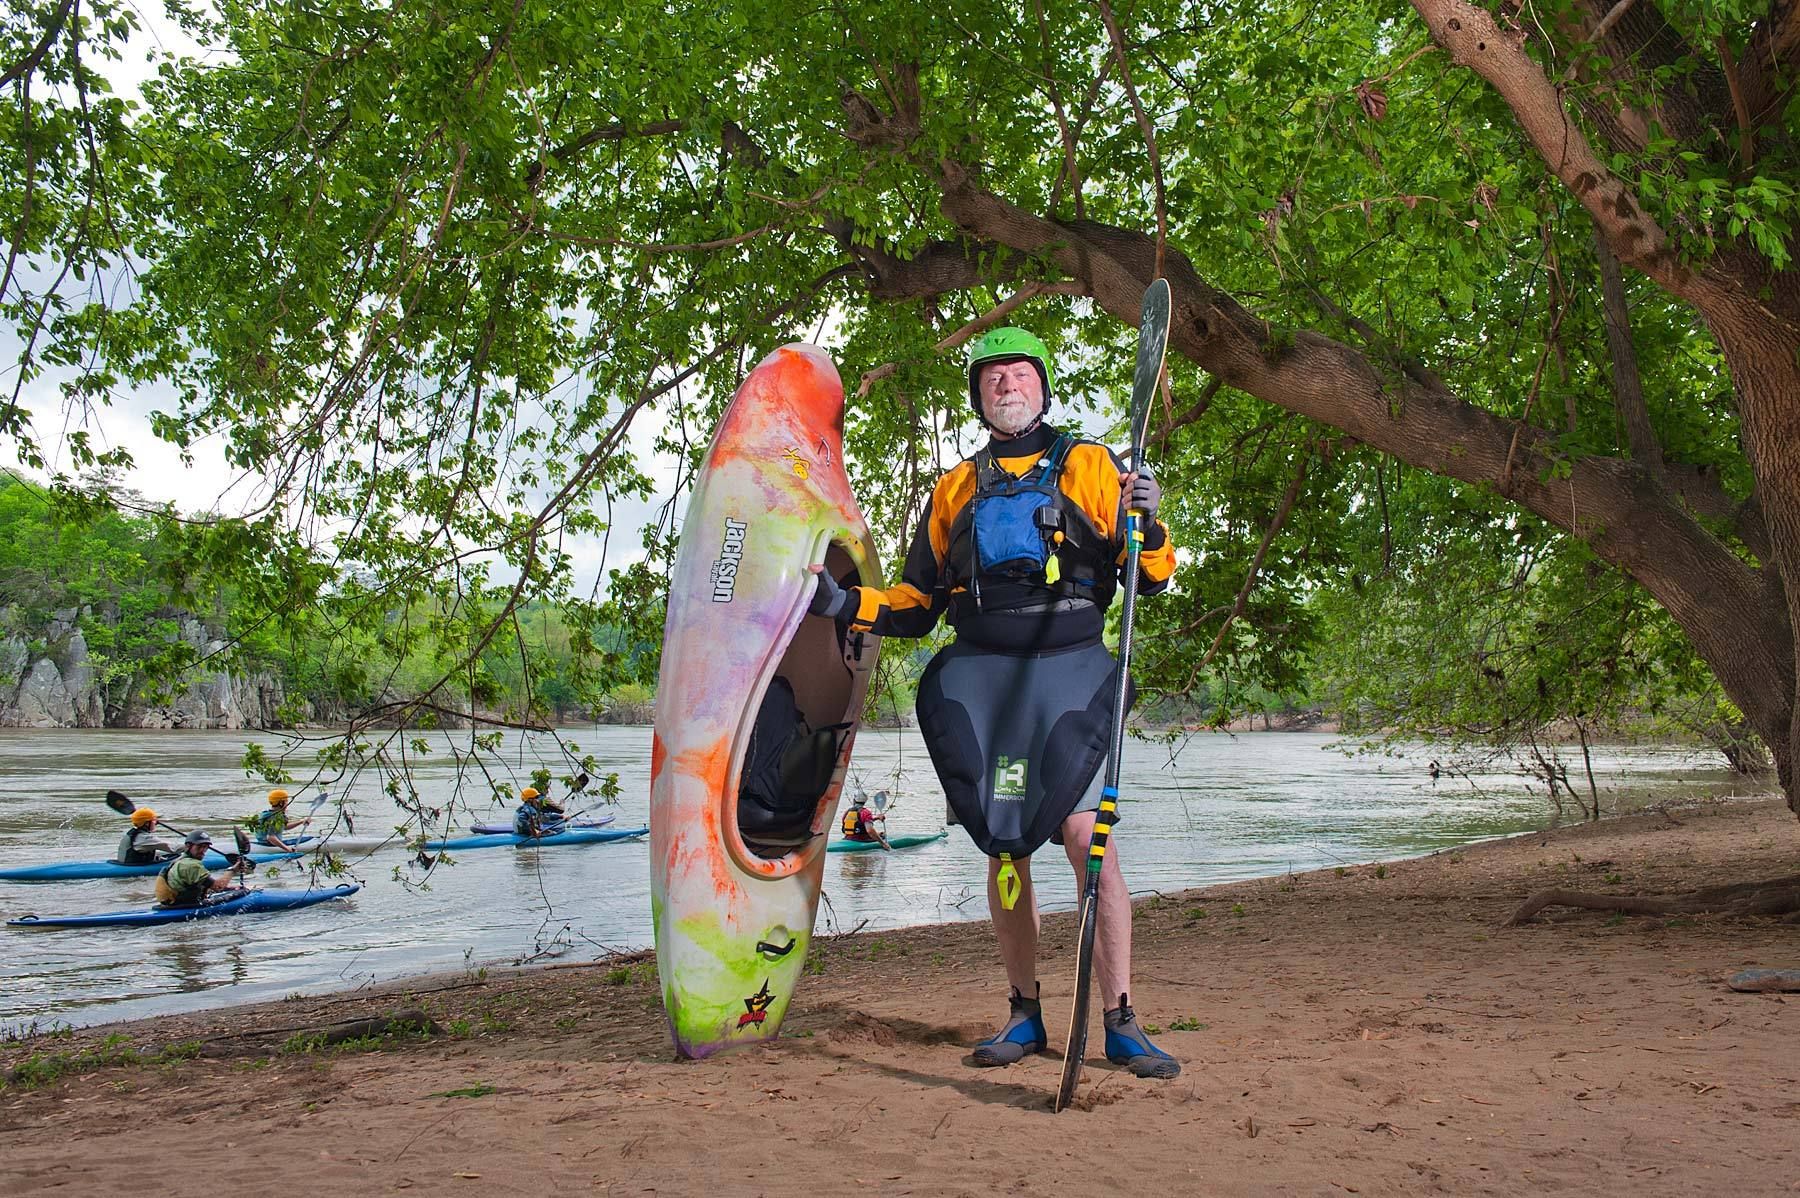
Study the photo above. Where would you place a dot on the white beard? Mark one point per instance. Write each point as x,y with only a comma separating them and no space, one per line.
1013,414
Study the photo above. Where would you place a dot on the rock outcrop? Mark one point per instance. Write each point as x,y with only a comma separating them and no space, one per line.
49,680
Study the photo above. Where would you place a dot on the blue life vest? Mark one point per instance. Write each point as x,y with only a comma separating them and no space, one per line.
1025,529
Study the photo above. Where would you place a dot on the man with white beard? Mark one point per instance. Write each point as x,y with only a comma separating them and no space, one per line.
1021,548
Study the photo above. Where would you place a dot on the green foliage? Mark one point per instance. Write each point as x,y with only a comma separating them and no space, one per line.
1475,627
423,271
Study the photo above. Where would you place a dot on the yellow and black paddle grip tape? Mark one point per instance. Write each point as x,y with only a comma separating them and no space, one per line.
1103,824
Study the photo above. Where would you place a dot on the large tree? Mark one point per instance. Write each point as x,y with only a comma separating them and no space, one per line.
1547,253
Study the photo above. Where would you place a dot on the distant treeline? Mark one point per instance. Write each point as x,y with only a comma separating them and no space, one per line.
113,610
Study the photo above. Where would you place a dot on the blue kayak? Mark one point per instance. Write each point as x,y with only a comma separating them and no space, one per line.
905,841
599,821
69,871
500,840
243,904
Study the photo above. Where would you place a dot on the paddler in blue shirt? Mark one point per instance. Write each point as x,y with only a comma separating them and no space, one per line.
1021,547
271,827
140,845
537,815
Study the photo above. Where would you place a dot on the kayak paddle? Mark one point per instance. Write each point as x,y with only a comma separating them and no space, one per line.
1153,342
124,806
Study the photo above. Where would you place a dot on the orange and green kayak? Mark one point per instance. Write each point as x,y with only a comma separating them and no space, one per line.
756,705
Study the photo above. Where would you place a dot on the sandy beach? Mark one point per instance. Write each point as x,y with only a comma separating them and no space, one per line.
1375,1029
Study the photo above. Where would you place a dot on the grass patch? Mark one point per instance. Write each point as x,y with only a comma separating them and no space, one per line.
478,1090
1187,1023
43,1069
367,1035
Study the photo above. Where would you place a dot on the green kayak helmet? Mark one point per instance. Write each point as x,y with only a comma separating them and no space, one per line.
1008,345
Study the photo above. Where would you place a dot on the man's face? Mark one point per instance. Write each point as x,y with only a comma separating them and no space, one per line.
1012,395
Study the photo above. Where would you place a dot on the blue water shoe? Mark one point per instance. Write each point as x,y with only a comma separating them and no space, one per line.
1023,1034
1127,1045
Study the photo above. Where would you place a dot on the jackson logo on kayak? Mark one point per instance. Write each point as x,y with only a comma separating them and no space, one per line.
724,571
756,1007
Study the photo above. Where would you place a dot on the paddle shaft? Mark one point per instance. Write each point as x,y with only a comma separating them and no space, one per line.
1103,821
1153,335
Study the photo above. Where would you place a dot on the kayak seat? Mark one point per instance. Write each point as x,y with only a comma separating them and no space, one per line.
787,769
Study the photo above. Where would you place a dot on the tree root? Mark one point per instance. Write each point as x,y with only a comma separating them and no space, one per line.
1777,897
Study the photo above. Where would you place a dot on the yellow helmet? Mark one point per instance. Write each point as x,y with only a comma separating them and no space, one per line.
143,817
278,797
529,793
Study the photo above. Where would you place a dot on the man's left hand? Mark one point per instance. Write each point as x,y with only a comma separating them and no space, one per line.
1141,491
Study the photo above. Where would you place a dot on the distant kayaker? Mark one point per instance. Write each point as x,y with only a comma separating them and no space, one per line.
859,824
537,815
141,845
271,827
1020,547
186,882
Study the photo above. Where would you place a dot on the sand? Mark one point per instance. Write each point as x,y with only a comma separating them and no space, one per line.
1374,1030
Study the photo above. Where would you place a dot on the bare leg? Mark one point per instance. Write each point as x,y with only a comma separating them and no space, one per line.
1126,1043
1017,930
1112,936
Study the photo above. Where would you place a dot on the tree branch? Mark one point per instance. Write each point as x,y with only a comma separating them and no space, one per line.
29,63
1474,40
1613,504
1628,385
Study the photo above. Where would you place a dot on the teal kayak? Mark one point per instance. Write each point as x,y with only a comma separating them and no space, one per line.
69,871
501,840
905,841
244,904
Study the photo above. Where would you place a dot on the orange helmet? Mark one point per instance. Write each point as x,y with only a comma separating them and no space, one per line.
278,797
143,817
529,793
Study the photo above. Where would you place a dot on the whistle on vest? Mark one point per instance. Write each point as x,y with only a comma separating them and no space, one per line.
1049,522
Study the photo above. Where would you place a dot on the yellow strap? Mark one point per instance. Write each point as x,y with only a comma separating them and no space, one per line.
1007,882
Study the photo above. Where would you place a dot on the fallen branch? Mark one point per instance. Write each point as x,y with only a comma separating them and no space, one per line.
1780,896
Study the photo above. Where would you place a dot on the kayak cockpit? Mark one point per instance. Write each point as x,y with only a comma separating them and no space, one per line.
792,762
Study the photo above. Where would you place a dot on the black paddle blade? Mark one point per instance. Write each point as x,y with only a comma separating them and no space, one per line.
1153,344
1078,1015
579,785
120,803
243,841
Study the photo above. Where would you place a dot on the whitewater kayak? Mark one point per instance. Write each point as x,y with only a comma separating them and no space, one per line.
734,879
599,821
70,871
500,840
244,904
906,840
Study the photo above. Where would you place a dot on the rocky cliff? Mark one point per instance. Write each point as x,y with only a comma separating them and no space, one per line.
49,680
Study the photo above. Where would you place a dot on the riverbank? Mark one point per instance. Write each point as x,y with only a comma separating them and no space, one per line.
1369,1029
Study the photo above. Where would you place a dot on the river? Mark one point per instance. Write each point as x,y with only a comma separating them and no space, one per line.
1211,808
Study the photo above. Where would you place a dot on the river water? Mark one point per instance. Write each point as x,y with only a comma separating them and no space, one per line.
1210,808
